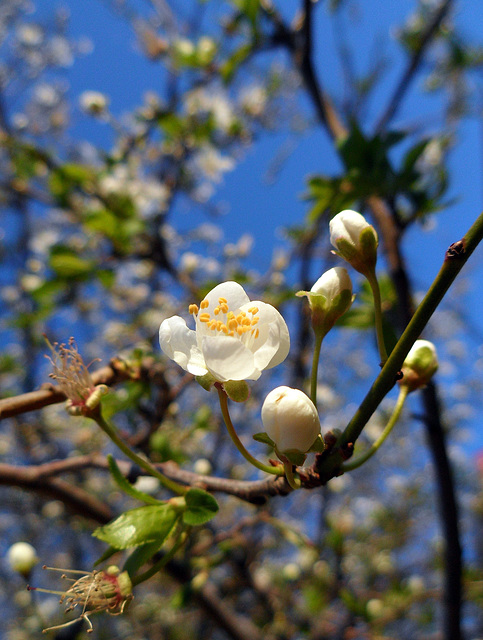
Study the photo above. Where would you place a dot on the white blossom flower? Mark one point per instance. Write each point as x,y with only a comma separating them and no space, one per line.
355,240
93,102
22,557
211,163
290,419
235,339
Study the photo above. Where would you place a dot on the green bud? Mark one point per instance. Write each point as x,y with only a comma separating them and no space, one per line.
330,297
355,240
420,365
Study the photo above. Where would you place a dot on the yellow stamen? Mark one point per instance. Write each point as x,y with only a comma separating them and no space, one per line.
193,309
253,310
204,317
222,300
216,311
224,307
204,304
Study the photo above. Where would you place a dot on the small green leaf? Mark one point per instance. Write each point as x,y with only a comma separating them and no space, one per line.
200,507
318,446
139,526
206,381
126,486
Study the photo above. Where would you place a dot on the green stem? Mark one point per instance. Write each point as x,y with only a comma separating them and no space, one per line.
162,562
278,471
111,432
354,464
455,259
289,474
376,292
319,336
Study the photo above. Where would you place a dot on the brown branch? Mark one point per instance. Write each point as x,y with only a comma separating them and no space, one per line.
412,67
116,371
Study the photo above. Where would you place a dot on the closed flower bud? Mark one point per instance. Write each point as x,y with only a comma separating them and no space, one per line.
330,297
355,240
22,558
420,365
290,419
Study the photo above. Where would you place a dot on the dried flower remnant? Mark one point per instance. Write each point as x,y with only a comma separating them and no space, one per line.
94,591
74,379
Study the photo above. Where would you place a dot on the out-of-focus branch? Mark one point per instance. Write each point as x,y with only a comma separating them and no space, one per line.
413,66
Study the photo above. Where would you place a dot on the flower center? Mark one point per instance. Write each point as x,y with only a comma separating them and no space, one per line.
222,320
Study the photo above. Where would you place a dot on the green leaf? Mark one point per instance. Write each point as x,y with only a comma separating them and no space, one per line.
126,486
139,526
140,556
231,64
68,264
200,507
318,446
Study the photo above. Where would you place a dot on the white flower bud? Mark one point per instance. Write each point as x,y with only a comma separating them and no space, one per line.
355,240
329,298
93,102
22,558
420,365
290,419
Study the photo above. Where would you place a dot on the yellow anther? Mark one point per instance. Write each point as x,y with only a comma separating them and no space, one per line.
246,322
219,324
212,325
230,315
216,311
257,333
232,334
224,307
204,304
240,317
232,324
240,331
193,309
224,328
222,300
253,310
255,320
204,317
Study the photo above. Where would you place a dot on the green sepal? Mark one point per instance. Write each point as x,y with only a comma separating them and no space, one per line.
294,456
206,381
318,446
264,438
200,507
346,249
140,556
126,486
137,527
368,244
237,390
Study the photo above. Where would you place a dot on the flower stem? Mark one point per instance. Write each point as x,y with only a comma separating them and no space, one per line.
278,471
319,336
354,464
162,562
376,292
111,432
289,474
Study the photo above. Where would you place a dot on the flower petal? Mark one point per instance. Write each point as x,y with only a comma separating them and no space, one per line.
273,344
179,343
227,358
233,293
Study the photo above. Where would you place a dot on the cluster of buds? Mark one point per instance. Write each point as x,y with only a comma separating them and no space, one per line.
94,591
